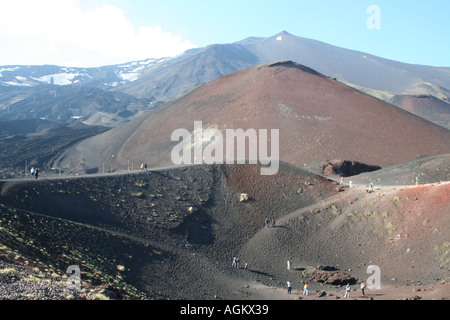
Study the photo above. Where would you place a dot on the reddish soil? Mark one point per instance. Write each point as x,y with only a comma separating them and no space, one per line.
318,118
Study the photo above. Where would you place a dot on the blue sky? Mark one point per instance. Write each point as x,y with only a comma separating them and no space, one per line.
100,32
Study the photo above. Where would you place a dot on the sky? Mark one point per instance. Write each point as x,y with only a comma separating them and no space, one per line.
90,33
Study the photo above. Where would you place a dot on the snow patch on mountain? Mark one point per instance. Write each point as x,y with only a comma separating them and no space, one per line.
59,79
17,84
109,76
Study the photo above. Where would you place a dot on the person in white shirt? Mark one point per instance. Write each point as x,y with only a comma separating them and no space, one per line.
347,291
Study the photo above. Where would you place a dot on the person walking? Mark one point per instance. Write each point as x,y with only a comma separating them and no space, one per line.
363,286
347,291
305,289
289,265
32,173
289,287
36,173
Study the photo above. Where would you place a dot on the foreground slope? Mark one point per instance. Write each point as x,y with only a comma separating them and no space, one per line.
168,228
172,233
317,118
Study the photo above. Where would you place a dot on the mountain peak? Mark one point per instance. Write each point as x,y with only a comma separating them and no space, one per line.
283,34
291,64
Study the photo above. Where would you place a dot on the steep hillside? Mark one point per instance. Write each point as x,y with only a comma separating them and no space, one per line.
348,66
167,81
317,118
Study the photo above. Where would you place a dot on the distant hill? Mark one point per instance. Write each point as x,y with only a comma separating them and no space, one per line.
69,104
26,126
71,94
34,142
426,106
318,118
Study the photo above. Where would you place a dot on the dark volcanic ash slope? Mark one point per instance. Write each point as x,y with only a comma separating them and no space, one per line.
143,222
318,118
424,170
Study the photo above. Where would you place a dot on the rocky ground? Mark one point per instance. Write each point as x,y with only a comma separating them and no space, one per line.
20,282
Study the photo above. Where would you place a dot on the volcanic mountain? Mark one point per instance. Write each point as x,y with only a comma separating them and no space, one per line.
83,94
317,117
380,77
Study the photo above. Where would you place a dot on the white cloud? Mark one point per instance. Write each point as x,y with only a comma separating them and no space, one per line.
61,32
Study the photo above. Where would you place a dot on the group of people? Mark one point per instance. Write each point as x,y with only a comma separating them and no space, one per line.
348,289
236,262
34,173
350,184
305,288
346,294
306,285
267,223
